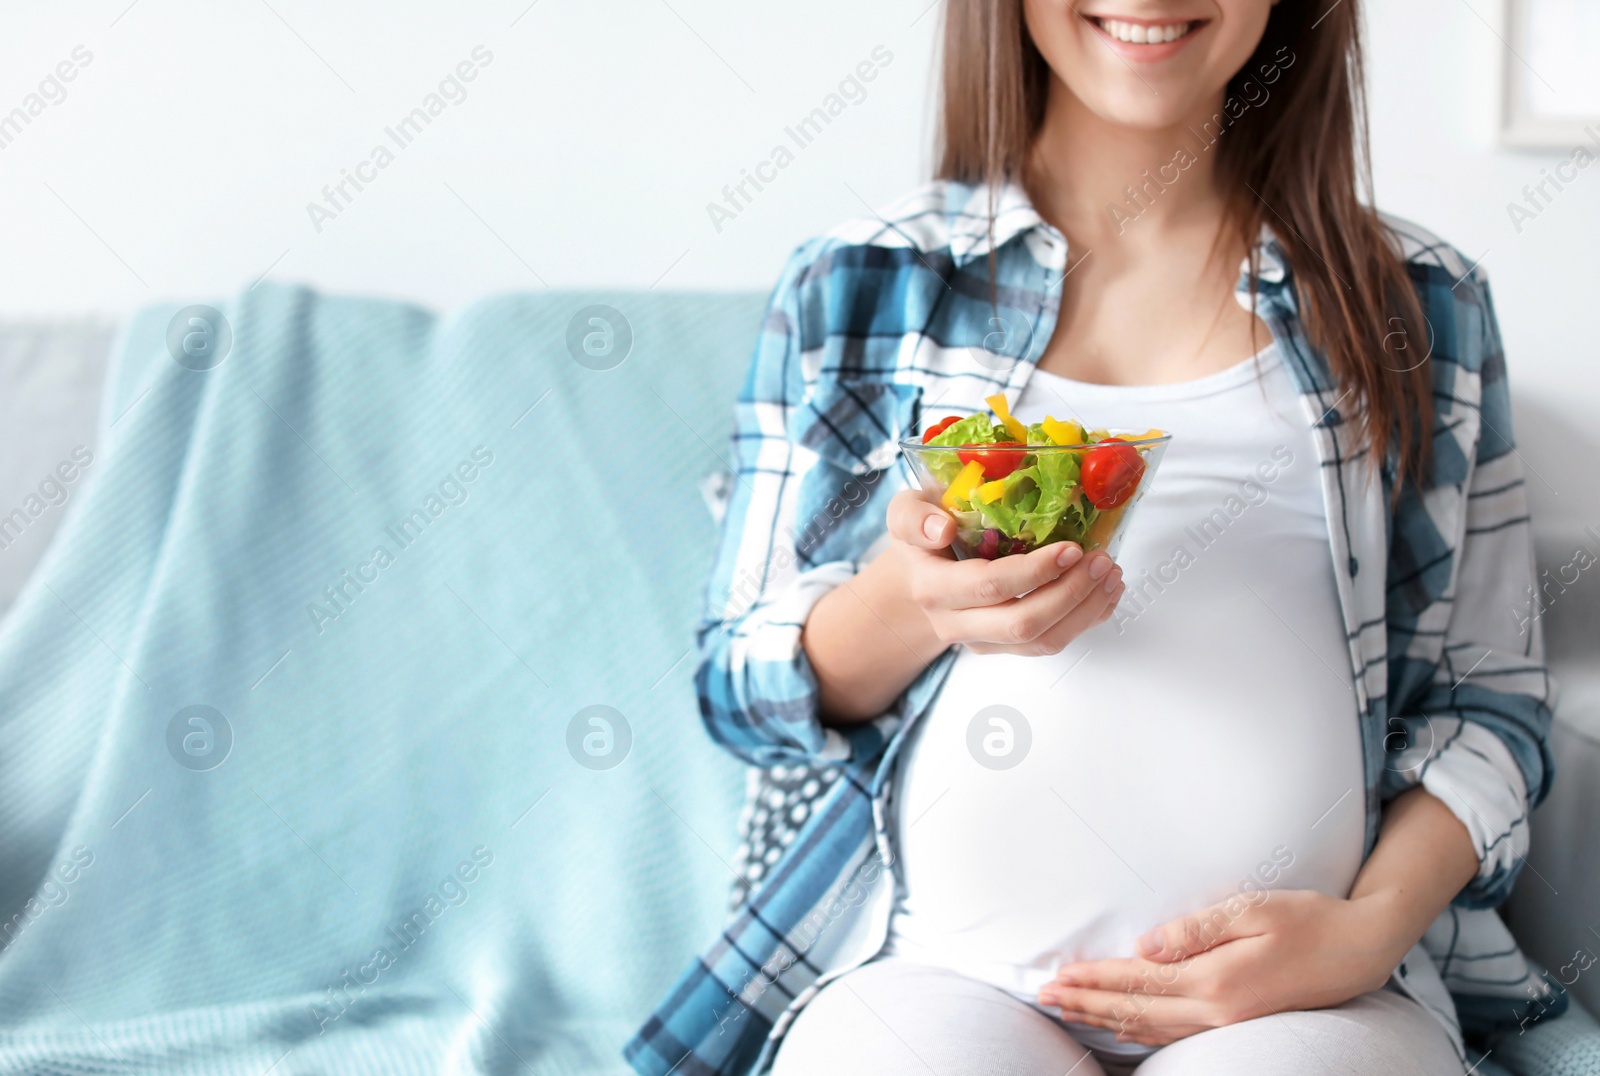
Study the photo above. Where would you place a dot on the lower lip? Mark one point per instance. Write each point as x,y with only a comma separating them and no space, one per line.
1129,50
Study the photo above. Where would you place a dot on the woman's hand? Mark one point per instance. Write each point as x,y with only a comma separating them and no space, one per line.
1291,949
1034,603
1280,949
870,637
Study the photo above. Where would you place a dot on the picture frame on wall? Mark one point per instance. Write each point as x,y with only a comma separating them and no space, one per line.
1551,78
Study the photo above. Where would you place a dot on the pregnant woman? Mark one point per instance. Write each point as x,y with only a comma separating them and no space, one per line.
1241,801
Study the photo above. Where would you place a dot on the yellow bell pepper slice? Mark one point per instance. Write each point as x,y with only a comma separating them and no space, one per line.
961,487
990,492
1063,433
997,404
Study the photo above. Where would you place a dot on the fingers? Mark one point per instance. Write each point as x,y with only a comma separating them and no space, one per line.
981,584
1060,609
918,522
923,525
1096,608
1133,1030
1183,938
1133,1014
1116,975
1035,603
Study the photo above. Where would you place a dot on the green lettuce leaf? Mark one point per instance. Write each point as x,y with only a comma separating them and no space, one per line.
972,430
1055,477
944,466
1033,498
1075,521
999,514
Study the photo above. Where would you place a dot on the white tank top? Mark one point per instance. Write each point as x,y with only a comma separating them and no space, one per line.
1202,742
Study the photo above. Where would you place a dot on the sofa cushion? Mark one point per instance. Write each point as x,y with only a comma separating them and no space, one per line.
1553,910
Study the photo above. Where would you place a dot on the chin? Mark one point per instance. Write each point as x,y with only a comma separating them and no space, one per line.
1140,110
1135,107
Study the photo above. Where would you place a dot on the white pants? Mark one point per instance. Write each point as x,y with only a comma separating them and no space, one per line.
893,1017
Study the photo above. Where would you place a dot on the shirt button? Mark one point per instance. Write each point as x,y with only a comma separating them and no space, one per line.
1355,566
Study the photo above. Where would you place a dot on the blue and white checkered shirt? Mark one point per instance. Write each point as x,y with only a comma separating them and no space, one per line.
886,317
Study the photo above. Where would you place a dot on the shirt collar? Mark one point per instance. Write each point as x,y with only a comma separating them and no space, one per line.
967,216
1272,267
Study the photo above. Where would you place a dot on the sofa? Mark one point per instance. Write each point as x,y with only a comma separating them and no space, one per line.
215,942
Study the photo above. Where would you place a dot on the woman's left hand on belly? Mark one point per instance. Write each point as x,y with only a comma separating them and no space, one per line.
1291,949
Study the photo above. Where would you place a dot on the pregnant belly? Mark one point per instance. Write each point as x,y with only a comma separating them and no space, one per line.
1118,799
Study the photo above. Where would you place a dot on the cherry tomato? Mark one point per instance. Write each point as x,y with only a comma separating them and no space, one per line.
1111,472
939,427
995,464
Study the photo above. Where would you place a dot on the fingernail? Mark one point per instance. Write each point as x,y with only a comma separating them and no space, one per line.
1070,554
1066,980
1150,944
933,527
1100,567
1113,581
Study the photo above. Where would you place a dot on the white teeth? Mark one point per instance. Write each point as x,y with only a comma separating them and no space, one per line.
1141,34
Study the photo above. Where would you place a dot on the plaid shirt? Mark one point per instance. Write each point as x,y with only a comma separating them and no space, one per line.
885,317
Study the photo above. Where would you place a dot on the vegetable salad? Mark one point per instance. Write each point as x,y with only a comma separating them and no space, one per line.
1006,499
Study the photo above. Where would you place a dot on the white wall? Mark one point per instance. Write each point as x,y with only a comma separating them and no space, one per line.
586,151
590,145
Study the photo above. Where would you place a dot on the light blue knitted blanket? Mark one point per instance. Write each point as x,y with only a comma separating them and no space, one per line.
300,770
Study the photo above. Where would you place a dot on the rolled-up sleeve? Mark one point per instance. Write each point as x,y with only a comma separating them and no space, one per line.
1478,724
758,693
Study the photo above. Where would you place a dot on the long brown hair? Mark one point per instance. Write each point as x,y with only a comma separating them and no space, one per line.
1298,163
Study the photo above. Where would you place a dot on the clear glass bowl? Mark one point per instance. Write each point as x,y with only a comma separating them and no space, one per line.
981,535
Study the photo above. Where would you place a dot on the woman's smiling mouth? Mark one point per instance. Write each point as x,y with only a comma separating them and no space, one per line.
1144,39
